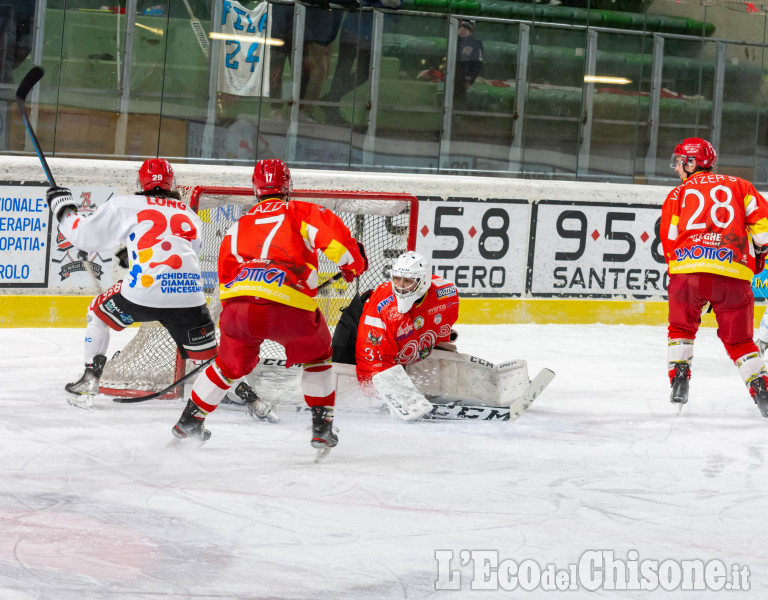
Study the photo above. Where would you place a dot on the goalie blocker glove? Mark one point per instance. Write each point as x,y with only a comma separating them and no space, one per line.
59,199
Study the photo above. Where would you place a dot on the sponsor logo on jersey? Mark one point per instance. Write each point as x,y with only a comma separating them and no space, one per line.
446,291
112,308
374,339
393,313
384,302
418,322
259,275
435,309
201,334
444,330
708,239
266,207
438,319
179,283
699,252
405,330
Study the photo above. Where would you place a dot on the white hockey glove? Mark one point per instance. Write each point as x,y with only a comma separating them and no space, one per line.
59,199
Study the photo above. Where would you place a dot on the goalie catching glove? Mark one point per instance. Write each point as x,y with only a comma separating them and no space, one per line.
357,268
60,199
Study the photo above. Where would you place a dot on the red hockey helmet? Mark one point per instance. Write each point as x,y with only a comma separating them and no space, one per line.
156,172
697,149
272,178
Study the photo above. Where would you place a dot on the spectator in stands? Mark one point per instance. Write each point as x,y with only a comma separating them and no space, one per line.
354,49
469,61
320,30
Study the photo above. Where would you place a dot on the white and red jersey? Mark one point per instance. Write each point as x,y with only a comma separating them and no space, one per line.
163,239
271,252
709,224
386,337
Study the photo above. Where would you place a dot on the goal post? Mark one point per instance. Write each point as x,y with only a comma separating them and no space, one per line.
384,222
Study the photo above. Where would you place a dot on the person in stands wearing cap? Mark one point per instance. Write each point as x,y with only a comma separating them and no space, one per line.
714,233
469,61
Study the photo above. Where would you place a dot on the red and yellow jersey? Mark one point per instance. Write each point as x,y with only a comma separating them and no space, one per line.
709,224
271,252
386,337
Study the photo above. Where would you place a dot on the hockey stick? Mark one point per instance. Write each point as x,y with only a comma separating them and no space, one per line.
198,30
181,380
34,75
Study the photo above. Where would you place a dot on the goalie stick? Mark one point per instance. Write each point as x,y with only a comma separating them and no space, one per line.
200,367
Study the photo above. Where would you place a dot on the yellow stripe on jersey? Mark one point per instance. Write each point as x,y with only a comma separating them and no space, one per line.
674,220
269,291
703,265
335,251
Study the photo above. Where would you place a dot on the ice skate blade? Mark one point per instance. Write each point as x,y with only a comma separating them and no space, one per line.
322,453
84,401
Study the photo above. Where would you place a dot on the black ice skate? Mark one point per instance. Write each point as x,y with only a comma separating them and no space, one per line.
758,389
323,436
680,382
191,425
85,388
258,408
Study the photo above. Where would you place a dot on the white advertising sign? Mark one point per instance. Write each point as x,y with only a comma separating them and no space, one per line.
481,246
25,223
596,250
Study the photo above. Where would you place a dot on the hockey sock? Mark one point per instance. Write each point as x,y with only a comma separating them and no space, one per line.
96,337
318,384
210,388
750,367
678,351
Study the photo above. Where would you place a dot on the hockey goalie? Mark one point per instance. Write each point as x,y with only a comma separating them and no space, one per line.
401,341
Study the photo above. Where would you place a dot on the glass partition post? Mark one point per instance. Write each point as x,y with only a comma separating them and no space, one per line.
214,56
521,84
377,34
124,78
297,56
717,95
33,99
585,141
448,95
654,100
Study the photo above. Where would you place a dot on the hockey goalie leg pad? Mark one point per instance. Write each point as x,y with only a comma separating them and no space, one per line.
210,387
319,384
397,390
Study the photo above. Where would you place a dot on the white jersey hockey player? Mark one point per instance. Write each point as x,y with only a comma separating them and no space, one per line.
162,236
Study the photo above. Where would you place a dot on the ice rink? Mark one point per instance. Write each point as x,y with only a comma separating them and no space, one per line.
95,504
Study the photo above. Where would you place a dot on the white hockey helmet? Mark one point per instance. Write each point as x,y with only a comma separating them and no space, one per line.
411,277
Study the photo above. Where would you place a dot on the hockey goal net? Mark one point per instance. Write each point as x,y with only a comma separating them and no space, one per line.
384,222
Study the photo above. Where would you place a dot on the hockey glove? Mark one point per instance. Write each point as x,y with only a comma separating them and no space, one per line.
365,258
122,257
60,199
760,255
350,272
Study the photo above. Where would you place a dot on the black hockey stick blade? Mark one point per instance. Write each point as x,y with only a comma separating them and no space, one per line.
164,391
330,280
34,75
30,80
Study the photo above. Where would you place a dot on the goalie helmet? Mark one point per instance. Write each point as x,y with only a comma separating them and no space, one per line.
411,277
156,173
272,178
695,150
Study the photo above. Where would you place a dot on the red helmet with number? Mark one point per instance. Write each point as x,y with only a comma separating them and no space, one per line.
698,149
272,178
156,173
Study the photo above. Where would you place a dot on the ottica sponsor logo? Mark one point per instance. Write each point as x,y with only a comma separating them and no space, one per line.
698,252
446,291
259,275
384,302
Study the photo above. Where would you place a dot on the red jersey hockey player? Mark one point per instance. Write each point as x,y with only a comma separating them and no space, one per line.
162,237
405,318
713,227
267,281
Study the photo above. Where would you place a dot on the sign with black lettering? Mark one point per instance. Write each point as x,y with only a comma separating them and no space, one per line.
481,246
25,223
596,250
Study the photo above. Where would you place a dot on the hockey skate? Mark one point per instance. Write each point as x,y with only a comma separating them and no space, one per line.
191,425
323,436
258,408
758,389
680,381
85,388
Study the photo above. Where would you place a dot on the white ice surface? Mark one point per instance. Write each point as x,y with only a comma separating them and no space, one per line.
95,505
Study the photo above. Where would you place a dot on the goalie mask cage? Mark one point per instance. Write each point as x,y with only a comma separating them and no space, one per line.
385,223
